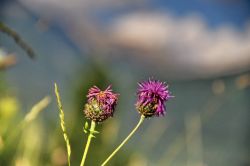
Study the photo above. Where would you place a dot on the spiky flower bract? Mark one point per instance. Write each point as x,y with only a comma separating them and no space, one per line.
152,95
101,104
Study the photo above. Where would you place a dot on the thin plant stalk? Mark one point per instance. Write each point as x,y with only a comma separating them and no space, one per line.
17,38
62,121
91,135
124,141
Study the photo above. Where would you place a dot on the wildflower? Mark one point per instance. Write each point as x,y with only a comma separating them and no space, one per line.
101,104
152,95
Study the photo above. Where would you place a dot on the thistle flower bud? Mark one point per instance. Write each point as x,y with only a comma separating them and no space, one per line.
101,104
152,96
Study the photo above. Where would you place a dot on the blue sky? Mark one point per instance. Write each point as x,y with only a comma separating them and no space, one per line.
214,12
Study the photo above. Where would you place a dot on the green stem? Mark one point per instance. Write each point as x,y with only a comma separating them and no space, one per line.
124,141
91,135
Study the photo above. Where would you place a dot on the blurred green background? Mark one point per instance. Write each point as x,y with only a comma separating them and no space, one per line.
200,48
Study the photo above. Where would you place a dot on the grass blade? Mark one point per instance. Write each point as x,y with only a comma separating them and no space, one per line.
61,115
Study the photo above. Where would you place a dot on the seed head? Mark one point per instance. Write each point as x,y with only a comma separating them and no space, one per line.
101,104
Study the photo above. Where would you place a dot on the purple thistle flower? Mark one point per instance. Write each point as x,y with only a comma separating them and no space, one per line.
101,104
152,95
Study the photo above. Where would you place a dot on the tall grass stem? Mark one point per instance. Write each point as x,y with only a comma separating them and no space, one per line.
124,141
62,121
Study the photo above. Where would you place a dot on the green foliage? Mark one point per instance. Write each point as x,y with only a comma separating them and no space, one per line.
85,128
16,136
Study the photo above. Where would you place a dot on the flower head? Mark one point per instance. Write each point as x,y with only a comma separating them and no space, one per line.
101,104
152,95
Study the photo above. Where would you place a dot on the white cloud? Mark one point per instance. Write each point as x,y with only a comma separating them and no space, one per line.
190,43
181,45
